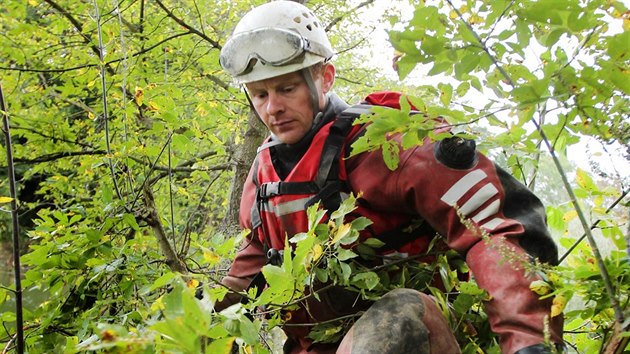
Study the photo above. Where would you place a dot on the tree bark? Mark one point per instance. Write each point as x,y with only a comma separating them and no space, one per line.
243,156
153,220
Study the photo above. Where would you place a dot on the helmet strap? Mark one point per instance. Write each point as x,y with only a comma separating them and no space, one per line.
251,104
308,77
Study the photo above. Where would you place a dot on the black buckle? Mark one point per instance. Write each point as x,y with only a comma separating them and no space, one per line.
274,256
267,190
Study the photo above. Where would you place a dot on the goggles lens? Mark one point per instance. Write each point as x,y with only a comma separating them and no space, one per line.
272,46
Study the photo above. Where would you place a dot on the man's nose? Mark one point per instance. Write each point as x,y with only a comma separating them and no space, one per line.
275,104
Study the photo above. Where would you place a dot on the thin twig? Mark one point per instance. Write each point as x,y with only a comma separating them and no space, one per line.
170,195
104,97
593,226
181,22
124,90
19,318
338,19
146,180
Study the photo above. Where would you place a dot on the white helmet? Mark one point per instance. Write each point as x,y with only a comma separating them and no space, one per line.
274,39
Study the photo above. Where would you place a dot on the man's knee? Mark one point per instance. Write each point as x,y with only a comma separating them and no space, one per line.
402,321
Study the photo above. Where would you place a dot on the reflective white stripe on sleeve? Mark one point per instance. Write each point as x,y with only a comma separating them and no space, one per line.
472,204
492,224
488,211
462,186
483,195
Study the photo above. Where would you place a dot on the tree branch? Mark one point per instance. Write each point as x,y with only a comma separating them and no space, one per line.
181,22
338,19
77,25
52,137
153,220
108,63
58,155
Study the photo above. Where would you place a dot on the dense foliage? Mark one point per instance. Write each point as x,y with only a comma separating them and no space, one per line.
127,135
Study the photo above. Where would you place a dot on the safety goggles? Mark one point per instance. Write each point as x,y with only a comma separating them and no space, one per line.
271,46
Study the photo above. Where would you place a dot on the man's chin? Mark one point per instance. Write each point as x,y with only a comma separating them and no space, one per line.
288,139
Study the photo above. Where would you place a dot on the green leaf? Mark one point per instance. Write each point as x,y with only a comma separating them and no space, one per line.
277,276
321,274
462,89
181,143
361,223
463,303
162,281
555,218
131,221
391,154
440,67
8,316
446,93
467,64
248,330
345,254
373,242
618,47
585,181
366,280
406,64
470,288
220,346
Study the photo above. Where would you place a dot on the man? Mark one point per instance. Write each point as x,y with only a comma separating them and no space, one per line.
281,53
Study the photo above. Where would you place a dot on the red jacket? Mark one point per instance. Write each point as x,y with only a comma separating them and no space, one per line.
427,186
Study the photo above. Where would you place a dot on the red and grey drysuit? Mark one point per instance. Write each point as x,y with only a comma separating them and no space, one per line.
431,182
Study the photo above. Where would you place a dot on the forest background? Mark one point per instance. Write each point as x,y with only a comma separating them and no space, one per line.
129,146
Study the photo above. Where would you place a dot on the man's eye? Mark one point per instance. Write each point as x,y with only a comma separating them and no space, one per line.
289,88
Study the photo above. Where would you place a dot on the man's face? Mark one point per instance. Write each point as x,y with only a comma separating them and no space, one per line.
284,104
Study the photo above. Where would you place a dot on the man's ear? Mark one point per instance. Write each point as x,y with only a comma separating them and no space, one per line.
328,77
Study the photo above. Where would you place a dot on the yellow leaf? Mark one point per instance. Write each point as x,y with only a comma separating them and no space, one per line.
158,305
192,284
4,200
317,252
210,257
554,278
475,19
540,287
108,335
342,232
559,302
569,215
139,96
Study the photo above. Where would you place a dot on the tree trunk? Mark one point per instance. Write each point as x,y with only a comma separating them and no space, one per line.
243,156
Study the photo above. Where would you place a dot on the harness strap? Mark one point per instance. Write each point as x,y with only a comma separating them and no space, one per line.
272,189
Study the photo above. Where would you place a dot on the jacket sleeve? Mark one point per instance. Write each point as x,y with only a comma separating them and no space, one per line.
445,186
